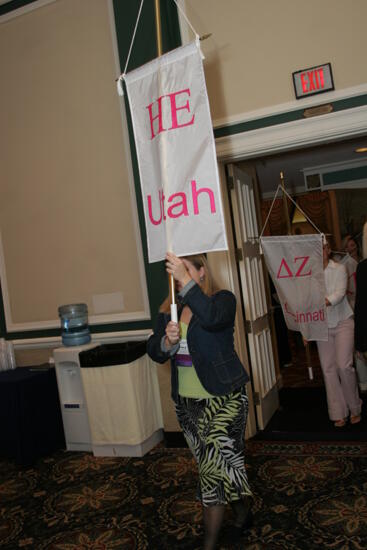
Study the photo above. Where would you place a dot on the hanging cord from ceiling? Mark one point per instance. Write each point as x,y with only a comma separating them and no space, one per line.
198,38
295,204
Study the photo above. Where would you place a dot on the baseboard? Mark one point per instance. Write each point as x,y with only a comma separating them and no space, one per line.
139,449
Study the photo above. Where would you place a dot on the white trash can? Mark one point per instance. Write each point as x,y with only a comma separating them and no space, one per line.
121,388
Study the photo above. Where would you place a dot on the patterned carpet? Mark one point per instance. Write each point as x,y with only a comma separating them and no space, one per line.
296,373
307,496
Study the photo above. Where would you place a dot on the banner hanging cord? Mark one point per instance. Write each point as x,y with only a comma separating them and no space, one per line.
187,20
197,40
120,78
271,208
295,204
300,209
133,38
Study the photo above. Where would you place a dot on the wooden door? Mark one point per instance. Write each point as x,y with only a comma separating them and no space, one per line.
252,276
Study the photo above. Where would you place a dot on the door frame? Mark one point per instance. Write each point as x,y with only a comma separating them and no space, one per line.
260,142
297,134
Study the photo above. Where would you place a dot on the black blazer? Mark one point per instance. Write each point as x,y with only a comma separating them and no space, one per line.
360,308
210,342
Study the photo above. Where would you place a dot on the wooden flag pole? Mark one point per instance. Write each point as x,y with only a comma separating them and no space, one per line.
308,358
158,27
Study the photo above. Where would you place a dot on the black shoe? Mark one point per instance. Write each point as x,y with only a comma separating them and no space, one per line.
238,532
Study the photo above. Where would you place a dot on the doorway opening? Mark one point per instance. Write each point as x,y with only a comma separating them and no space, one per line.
329,182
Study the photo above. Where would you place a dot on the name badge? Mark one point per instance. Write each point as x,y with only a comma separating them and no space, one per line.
183,357
183,349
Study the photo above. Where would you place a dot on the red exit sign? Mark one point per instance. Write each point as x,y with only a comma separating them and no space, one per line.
315,80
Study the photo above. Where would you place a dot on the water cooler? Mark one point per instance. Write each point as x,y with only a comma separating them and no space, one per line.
72,397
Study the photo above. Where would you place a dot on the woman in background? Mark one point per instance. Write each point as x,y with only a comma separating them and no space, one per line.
350,261
208,387
350,246
336,355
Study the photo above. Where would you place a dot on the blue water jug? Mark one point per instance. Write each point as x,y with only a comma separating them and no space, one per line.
74,324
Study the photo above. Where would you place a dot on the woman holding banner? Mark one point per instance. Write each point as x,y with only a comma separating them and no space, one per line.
208,387
336,354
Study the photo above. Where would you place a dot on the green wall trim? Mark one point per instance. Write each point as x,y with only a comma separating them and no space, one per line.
94,329
349,174
2,316
282,118
14,5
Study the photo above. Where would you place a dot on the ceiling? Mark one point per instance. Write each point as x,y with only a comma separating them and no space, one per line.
291,163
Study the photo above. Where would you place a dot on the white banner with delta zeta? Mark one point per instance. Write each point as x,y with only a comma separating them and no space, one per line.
176,155
295,264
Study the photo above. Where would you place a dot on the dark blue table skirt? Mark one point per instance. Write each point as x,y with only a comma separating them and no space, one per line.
30,416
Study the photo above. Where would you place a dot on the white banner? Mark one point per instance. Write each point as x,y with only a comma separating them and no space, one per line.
176,155
296,268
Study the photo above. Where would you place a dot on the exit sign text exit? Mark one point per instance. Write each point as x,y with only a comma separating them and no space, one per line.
314,80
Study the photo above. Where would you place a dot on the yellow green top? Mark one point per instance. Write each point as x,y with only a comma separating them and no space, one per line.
189,384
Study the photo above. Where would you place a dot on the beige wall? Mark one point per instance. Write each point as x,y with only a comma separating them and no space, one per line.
66,217
67,204
257,44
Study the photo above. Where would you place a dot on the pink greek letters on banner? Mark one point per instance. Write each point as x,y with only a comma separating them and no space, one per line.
295,266
176,155
298,273
173,111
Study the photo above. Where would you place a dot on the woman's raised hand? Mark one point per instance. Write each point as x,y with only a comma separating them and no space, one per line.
176,267
172,334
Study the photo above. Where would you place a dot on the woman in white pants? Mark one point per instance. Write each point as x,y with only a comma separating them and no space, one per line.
336,355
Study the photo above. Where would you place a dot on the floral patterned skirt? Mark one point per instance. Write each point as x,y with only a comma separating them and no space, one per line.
214,429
